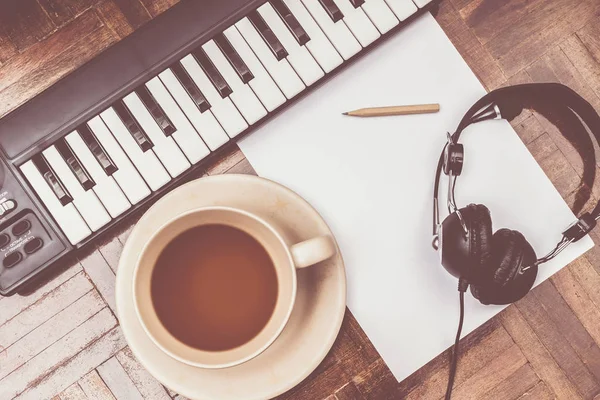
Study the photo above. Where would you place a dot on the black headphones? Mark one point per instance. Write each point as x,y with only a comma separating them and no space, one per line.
501,267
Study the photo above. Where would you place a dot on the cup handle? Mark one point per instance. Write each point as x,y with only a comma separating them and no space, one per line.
312,251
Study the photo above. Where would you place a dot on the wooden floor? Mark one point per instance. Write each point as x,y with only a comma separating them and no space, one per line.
64,342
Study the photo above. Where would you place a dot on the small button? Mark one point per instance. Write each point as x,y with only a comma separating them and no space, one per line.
4,239
7,207
12,259
21,227
33,245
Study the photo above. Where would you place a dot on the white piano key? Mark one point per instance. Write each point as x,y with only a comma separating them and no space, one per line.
281,71
242,95
402,8
67,217
165,147
86,201
128,178
380,14
223,109
337,32
358,22
263,85
145,162
422,3
319,45
301,60
107,190
185,135
205,123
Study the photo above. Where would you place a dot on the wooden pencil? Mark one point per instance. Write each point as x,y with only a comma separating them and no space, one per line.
394,110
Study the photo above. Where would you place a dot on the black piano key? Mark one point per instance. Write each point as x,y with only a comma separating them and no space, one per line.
187,82
332,10
291,22
268,36
141,138
357,3
155,110
97,150
52,180
74,164
211,71
234,58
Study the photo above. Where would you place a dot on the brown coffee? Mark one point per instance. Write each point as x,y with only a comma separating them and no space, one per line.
214,287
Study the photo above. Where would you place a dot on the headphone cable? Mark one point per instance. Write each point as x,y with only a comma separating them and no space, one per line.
462,287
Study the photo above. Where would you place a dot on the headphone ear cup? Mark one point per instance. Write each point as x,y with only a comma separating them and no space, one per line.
479,223
504,284
463,255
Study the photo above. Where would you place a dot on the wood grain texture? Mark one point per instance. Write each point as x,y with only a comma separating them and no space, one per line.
62,340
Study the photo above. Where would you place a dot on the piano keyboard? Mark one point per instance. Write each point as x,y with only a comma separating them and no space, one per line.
103,168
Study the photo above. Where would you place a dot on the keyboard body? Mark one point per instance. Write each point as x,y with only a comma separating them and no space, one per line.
109,139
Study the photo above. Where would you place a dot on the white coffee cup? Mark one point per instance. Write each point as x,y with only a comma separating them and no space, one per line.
286,259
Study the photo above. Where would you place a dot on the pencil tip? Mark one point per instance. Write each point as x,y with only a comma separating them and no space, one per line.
344,113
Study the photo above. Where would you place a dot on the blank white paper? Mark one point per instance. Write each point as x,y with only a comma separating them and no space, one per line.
372,181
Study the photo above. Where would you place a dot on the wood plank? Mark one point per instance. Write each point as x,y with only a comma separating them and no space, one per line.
352,350
113,17
117,380
348,392
542,147
588,36
560,171
529,129
377,382
243,167
552,336
584,309
94,387
7,48
226,162
483,65
531,36
495,372
156,7
134,11
471,360
583,59
13,305
73,392
321,381
514,386
45,363
24,22
489,19
64,11
102,276
42,54
440,363
49,332
71,371
570,326
537,354
588,278
37,81
538,392
43,310
111,251
145,383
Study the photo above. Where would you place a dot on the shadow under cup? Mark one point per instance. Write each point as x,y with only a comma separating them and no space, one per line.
258,229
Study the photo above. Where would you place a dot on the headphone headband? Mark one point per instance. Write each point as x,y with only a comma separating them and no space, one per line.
507,103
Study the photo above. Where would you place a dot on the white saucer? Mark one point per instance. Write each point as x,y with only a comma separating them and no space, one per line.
315,320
